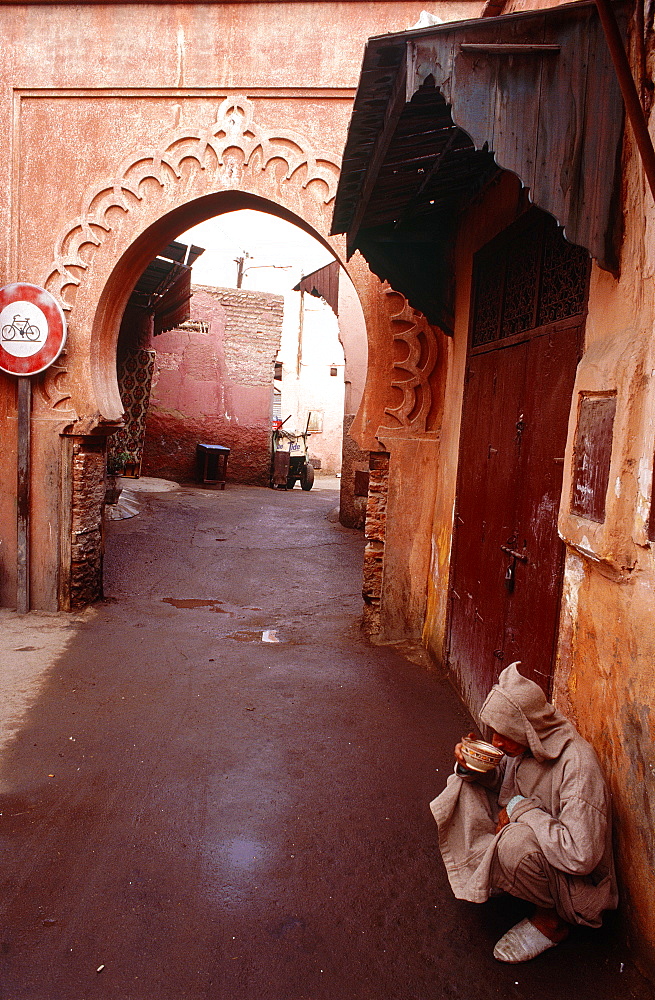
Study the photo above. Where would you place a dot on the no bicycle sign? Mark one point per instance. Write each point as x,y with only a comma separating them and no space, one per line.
32,329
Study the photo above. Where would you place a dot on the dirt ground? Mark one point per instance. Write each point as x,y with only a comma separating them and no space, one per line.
188,812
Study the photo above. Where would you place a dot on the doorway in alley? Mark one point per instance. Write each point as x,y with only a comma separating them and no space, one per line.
527,322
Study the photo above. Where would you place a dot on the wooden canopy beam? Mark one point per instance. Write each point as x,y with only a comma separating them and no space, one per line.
629,92
395,108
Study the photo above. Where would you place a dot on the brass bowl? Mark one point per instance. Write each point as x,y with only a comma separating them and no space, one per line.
479,755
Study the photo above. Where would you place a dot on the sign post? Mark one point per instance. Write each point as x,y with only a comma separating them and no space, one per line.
32,336
23,496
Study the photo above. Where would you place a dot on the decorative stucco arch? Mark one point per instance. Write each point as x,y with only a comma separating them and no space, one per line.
189,175
146,138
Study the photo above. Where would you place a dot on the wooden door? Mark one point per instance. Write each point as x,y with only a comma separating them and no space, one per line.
530,288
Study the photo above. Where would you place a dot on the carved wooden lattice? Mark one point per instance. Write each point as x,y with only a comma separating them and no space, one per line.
564,278
522,265
488,298
529,276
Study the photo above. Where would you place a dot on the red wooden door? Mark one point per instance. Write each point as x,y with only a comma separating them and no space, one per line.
507,558
532,608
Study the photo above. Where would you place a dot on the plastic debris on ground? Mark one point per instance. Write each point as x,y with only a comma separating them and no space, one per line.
127,506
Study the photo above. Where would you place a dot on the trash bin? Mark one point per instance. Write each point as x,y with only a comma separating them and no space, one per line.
212,464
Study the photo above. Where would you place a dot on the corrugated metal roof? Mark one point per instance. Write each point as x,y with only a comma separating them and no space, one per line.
181,252
163,268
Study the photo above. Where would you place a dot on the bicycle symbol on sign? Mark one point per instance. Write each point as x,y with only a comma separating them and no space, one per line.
22,328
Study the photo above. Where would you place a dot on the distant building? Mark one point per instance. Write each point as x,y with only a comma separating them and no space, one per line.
213,384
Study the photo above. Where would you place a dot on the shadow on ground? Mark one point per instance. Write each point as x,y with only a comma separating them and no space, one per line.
190,812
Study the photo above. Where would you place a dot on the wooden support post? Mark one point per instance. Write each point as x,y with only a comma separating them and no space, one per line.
23,495
301,327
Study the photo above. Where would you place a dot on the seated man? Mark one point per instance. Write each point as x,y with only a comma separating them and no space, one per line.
537,826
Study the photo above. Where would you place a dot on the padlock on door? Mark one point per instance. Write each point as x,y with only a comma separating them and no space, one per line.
510,576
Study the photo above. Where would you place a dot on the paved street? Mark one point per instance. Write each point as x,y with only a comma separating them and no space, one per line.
188,812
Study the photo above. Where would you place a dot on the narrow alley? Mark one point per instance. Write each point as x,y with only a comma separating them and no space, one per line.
191,813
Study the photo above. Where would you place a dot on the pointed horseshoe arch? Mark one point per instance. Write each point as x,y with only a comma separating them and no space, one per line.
190,175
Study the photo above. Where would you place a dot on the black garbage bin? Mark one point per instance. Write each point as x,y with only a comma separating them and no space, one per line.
212,464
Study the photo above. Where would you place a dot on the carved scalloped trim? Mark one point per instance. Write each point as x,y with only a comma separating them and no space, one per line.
234,128
410,328
53,391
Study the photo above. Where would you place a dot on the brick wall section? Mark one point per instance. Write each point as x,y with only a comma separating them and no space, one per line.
86,530
216,386
253,323
375,533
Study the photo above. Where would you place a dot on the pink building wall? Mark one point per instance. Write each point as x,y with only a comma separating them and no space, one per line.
213,384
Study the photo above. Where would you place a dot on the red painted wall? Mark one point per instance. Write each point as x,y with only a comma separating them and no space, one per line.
213,384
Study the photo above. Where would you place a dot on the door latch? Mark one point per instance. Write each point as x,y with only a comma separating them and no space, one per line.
510,573
521,556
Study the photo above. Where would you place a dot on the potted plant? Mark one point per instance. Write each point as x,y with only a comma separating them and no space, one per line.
116,462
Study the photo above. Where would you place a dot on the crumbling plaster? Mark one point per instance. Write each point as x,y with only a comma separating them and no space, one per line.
604,675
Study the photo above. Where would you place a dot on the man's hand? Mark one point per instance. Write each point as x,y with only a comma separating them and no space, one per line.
503,820
459,757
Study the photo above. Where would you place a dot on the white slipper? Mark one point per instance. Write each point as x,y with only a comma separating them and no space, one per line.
521,943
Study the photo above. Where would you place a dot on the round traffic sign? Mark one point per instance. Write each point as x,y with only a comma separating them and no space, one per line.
32,329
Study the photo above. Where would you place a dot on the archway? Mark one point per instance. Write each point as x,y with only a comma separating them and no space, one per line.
191,174
108,408
227,160
213,377
223,159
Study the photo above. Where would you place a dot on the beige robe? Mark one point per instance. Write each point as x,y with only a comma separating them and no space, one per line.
565,809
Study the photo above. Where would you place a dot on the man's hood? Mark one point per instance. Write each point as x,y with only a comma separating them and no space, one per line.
517,707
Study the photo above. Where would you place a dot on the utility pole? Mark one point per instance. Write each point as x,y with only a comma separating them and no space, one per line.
240,261
301,325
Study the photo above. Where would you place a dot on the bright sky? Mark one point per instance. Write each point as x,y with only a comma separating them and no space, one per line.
279,253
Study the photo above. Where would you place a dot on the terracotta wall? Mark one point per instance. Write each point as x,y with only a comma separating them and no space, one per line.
213,384
157,117
352,333
407,362
604,677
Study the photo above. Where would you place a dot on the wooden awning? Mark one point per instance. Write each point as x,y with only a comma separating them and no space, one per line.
173,306
439,111
164,288
323,284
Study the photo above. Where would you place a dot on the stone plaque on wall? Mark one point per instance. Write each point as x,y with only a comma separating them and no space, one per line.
592,455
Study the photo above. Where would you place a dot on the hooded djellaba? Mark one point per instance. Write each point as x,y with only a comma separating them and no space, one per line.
555,788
